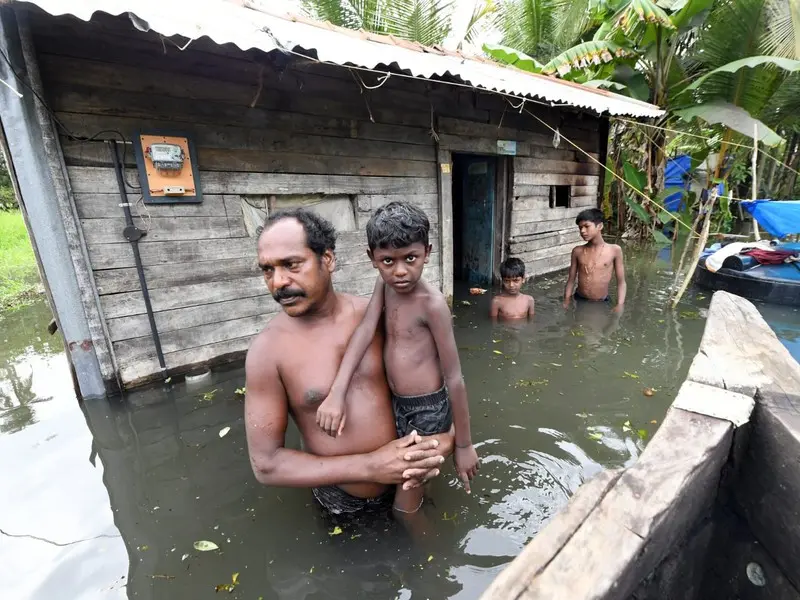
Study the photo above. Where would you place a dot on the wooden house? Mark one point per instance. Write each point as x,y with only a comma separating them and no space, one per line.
277,111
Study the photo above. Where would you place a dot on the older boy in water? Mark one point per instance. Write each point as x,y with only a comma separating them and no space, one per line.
420,353
593,264
511,304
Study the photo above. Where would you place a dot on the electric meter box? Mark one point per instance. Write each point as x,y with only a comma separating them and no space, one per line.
167,165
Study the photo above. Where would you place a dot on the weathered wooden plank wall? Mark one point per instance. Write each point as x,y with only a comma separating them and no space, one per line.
267,126
541,236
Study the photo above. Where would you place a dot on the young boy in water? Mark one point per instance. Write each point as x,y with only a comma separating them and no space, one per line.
511,304
593,264
420,354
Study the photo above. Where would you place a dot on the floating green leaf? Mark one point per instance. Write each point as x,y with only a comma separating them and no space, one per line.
209,396
497,351
595,435
631,375
228,587
532,382
626,426
240,391
336,531
430,558
205,546
642,433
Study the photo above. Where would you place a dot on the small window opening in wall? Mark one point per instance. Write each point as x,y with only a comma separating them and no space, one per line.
559,196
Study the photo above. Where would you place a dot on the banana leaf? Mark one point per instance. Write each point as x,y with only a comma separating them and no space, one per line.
733,117
660,239
634,176
684,11
751,62
605,83
584,55
513,57
638,209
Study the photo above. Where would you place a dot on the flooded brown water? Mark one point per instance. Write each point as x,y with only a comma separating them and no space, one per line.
107,499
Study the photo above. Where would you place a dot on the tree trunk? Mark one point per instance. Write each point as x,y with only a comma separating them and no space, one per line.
793,160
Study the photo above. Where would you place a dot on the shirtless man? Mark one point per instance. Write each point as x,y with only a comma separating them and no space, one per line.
290,368
593,264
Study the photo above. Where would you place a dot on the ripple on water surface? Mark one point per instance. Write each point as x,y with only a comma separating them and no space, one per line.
552,403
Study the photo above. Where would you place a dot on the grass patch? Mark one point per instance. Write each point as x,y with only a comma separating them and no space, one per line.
19,275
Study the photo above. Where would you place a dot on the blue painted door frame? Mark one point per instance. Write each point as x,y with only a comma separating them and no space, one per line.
477,222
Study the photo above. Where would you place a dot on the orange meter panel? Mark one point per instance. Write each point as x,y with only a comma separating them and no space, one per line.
167,166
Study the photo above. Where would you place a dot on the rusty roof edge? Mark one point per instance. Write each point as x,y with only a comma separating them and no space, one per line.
252,24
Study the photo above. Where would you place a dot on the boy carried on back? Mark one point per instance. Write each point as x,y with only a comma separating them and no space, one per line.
594,263
511,304
420,355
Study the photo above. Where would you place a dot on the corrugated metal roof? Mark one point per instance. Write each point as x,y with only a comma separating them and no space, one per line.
230,22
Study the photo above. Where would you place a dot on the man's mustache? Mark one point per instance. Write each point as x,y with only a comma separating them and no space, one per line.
286,293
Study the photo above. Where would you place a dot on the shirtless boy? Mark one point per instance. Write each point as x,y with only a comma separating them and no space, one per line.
420,353
593,264
292,364
511,304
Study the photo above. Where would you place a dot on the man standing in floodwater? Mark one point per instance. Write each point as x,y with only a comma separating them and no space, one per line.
291,365
593,264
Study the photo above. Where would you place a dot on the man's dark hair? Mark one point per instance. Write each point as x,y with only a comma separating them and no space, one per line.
397,225
320,233
593,215
511,268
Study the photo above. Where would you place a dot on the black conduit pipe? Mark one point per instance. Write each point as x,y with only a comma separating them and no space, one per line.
133,234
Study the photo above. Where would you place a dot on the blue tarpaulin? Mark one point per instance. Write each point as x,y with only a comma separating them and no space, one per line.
778,218
676,174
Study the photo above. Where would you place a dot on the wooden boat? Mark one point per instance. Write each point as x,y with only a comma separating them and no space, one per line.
744,276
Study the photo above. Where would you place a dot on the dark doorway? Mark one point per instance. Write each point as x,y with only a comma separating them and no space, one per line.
474,194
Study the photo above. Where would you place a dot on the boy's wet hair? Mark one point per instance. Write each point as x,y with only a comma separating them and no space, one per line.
320,233
593,215
397,225
511,268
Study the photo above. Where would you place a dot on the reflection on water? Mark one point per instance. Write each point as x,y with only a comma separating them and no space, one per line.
553,402
56,525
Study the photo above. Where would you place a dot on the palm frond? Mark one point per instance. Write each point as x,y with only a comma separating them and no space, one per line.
733,31
479,21
783,108
782,34
528,26
425,21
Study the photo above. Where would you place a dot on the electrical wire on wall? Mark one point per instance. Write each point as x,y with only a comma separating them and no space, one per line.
68,133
